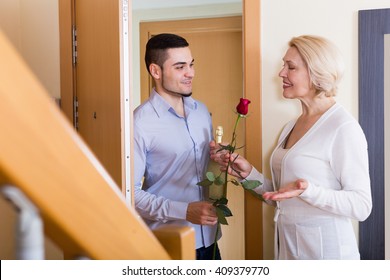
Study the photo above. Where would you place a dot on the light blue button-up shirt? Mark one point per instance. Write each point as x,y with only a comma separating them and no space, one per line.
171,153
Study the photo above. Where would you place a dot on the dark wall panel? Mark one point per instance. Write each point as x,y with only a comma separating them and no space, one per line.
373,24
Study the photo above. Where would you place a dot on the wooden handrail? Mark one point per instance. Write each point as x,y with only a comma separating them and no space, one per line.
83,209
178,241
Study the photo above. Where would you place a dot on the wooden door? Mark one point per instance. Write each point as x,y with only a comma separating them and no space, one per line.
216,45
97,80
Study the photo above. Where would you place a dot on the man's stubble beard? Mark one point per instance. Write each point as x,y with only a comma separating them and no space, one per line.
175,93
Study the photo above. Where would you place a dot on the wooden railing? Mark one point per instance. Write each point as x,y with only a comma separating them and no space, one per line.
83,210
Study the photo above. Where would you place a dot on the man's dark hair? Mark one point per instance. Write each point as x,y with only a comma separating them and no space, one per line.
156,48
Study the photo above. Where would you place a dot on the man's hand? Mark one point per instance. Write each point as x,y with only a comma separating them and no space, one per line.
201,213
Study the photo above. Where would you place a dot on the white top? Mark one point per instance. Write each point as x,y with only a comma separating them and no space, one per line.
332,156
279,154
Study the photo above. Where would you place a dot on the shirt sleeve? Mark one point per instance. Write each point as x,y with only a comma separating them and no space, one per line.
349,162
150,206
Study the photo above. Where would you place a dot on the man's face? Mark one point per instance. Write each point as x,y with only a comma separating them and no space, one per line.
178,72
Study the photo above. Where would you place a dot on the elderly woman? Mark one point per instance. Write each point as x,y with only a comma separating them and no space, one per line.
320,177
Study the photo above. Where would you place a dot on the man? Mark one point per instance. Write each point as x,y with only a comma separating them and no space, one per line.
172,132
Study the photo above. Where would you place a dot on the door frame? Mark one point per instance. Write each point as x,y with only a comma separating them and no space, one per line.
253,126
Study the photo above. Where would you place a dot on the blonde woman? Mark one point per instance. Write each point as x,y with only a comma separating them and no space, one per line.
320,177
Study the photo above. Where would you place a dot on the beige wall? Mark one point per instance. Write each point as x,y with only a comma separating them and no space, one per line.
283,19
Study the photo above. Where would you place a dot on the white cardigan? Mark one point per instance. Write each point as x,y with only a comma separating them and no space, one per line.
332,156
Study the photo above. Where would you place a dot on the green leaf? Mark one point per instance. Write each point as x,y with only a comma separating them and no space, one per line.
222,200
210,175
225,209
255,194
219,181
221,217
205,183
251,184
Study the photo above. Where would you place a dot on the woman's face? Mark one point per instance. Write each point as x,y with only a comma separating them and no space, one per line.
295,75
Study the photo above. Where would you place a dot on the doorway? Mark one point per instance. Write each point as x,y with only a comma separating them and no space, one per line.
216,45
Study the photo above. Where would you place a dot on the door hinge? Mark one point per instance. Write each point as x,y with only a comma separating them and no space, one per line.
74,44
76,113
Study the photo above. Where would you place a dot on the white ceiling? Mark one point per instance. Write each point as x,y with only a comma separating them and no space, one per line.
155,4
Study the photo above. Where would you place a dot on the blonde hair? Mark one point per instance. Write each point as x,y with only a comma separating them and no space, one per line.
323,60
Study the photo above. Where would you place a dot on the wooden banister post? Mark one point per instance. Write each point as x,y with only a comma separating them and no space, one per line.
179,242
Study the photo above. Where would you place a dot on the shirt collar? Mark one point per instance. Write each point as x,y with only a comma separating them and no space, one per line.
162,107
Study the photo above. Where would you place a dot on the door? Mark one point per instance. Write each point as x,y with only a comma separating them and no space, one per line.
216,45
97,80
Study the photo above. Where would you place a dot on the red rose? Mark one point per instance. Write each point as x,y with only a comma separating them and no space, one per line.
242,107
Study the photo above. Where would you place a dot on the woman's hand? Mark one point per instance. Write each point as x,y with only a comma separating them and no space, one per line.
287,191
239,166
